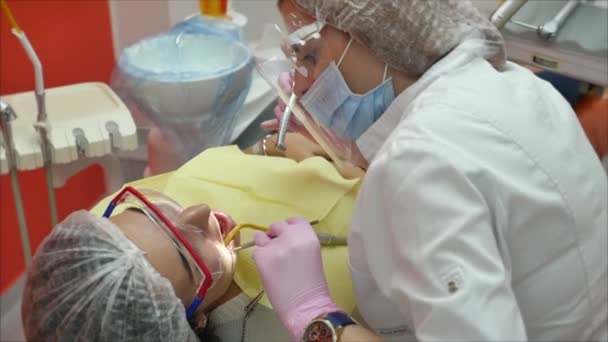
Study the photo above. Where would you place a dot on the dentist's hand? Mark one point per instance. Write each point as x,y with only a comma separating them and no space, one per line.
288,257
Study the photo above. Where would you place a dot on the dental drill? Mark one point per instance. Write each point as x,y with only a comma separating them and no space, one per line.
6,116
284,125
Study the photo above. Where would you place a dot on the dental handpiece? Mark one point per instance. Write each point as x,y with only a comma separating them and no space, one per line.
284,124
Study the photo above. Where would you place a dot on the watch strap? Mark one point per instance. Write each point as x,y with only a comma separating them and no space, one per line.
339,319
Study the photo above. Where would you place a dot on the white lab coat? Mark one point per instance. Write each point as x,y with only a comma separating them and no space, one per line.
483,213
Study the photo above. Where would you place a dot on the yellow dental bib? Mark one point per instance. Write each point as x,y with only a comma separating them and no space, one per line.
261,190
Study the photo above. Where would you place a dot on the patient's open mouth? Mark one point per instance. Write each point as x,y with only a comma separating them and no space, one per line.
226,223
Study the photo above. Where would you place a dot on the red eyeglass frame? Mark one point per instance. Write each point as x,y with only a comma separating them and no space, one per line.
207,282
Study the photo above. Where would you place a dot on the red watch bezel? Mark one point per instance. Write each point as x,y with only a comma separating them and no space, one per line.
325,330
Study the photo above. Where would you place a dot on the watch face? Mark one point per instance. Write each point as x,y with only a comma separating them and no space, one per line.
319,331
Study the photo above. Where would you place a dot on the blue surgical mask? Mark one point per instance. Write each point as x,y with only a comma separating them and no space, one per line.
331,102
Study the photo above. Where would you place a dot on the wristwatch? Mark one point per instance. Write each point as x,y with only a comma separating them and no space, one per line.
327,328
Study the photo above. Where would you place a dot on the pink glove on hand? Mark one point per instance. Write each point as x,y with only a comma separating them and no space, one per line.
286,80
288,257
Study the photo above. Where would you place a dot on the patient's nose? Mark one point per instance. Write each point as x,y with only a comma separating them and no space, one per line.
197,216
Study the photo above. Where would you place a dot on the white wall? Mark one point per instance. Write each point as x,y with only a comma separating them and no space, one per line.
487,7
258,13
133,20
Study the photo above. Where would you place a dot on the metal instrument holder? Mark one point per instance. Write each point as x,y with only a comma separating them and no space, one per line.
549,30
552,46
505,12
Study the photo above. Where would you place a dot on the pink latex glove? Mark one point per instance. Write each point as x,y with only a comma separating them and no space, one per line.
288,257
286,80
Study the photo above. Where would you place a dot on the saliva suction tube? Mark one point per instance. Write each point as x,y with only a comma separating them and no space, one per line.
235,231
325,239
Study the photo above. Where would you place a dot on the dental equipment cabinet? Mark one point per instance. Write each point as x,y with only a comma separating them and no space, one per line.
62,130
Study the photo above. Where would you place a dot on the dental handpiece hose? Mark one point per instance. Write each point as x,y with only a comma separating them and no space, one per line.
42,127
7,115
41,124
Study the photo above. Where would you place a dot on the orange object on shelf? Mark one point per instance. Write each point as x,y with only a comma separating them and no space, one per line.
593,114
214,8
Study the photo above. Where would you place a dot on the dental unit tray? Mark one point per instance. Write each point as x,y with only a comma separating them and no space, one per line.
569,37
86,120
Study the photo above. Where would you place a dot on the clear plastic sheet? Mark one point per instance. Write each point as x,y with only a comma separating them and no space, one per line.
341,151
305,50
190,82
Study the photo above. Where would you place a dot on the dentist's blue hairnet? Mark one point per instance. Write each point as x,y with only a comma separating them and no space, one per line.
89,282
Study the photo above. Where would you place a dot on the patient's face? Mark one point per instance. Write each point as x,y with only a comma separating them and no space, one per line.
163,255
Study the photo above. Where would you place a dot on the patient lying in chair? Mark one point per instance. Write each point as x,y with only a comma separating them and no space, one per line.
127,278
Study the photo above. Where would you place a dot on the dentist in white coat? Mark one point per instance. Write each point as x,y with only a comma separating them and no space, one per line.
482,214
